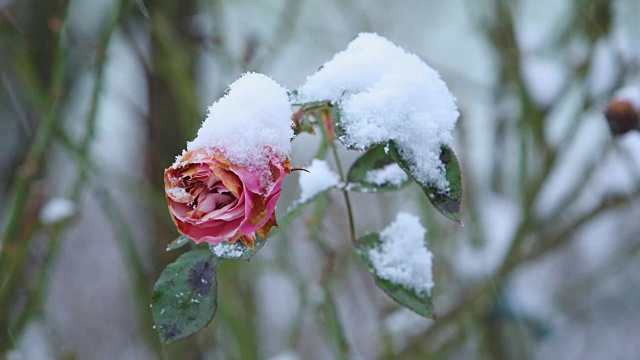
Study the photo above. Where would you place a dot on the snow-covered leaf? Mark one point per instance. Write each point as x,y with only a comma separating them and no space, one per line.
237,250
184,297
376,171
337,123
395,97
447,203
409,298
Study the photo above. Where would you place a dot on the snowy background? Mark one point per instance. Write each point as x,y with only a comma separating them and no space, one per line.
546,265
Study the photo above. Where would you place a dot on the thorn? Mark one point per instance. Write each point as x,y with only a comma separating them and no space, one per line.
299,169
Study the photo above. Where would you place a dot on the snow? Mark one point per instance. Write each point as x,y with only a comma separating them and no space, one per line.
604,70
35,343
538,23
226,249
586,147
626,28
544,78
56,210
618,171
499,219
250,125
630,93
564,117
403,325
179,193
386,93
390,174
286,355
616,168
318,179
402,257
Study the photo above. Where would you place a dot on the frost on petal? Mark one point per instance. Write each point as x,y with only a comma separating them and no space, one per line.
318,178
250,125
385,93
402,257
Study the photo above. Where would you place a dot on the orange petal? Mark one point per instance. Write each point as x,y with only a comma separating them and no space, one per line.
248,240
266,228
287,165
230,180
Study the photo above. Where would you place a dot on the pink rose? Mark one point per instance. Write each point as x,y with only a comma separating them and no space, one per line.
212,200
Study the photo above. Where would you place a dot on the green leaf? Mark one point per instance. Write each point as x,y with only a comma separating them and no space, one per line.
179,242
420,304
447,203
237,250
184,297
375,159
335,116
293,94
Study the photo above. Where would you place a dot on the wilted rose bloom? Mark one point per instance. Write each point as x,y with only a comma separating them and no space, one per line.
212,200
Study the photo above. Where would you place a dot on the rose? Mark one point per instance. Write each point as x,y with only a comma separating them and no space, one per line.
212,200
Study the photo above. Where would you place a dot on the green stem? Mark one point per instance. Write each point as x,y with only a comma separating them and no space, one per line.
318,104
13,244
332,322
352,228
34,303
334,327
474,298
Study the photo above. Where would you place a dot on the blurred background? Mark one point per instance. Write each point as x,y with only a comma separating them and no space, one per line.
97,97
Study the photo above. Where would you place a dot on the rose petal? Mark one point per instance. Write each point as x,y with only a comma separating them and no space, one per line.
226,213
179,210
261,208
230,180
250,180
266,228
215,234
212,201
231,205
